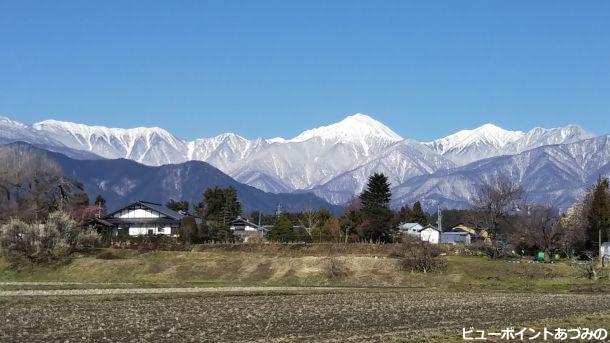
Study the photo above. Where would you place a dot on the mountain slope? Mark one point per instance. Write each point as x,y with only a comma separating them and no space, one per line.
153,146
334,161
553,174
399,162
470,145
489,140
121,181
316,156
14,131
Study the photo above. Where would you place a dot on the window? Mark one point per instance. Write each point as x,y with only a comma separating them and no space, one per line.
160,230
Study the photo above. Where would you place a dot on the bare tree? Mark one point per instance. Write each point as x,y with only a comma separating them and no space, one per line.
542,227
496,200
310,220
350,217
589,267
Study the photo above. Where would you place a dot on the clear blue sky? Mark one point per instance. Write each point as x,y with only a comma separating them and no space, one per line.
269,68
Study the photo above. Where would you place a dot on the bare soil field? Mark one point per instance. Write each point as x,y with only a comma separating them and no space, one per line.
354,316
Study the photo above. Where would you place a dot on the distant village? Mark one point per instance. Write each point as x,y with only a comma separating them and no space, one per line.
501,221
147,218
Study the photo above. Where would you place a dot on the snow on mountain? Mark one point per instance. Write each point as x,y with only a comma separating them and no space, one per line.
302,165
152,146
489,140
315,156
538,137
276,140
355,129
551,174
335,160
399,162
224,151
470,145
13,131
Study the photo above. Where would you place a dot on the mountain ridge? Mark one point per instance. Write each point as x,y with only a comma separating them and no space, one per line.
333,161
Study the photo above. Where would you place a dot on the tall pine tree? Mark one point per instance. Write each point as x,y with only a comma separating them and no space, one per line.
376,211
598,215
282,230
418,214
219,208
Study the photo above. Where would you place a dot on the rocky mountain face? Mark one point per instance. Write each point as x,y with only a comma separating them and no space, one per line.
332,161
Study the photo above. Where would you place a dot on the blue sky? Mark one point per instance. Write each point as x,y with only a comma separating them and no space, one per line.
270,68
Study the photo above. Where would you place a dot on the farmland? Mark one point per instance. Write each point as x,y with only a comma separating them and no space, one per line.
332,316
278,296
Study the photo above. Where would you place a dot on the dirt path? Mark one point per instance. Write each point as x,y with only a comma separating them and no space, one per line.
346,316
110,291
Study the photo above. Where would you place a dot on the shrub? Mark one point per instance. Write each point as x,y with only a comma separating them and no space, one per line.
419,256
44,242
335,269
493,251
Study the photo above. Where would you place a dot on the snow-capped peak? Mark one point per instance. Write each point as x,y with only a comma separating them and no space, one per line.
489,134
353,128
9,122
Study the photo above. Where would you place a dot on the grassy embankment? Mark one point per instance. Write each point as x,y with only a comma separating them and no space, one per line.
218,267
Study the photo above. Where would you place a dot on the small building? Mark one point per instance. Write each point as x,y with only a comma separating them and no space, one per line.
143,218
476,234
455,238
410,228
245,229
430,234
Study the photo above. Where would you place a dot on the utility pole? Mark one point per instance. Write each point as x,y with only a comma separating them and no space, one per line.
439,220
599,246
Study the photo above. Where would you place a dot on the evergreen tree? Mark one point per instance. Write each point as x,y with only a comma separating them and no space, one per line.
178,205
598,215
100,201
376,209
219,208
231,208
419,216
282,230
405,214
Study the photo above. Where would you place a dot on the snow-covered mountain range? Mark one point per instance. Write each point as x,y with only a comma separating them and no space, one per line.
333,161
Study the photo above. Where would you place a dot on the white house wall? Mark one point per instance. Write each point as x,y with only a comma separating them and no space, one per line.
430,235
143,230
138,213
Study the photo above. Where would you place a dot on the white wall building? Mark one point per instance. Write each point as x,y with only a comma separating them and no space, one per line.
245,229
144,218
430,234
